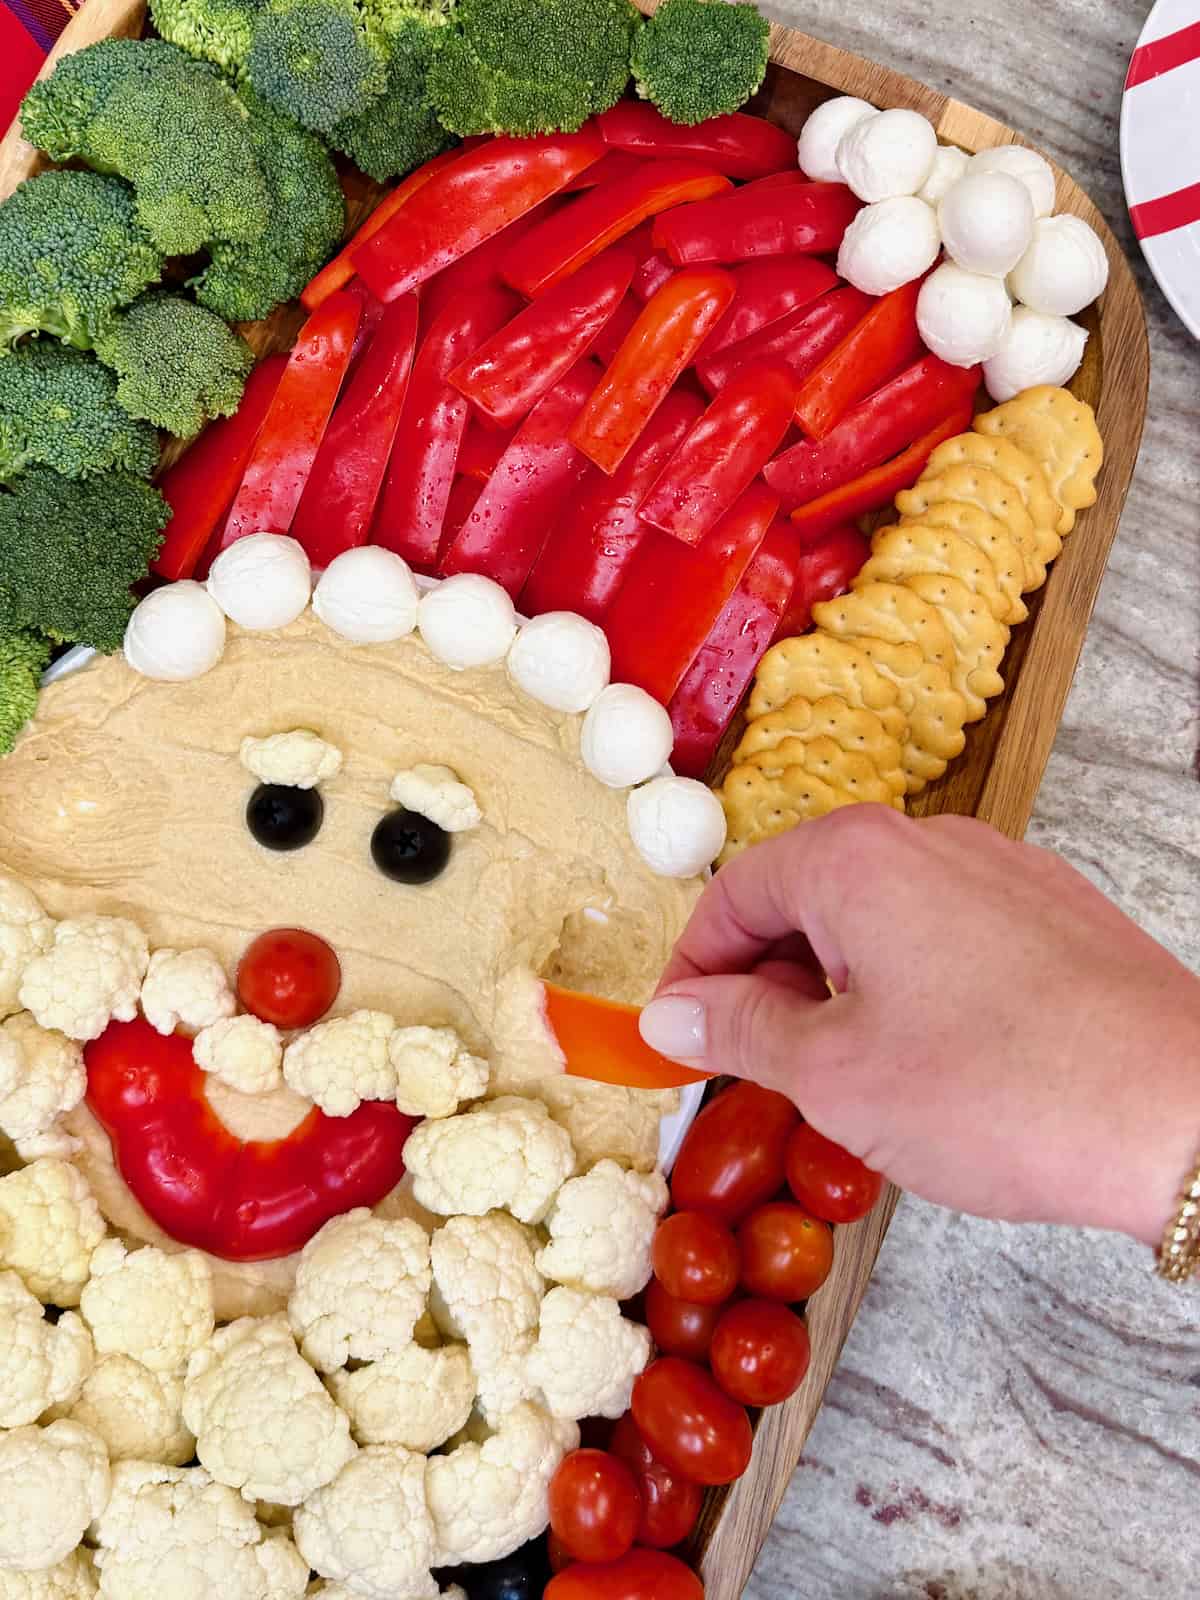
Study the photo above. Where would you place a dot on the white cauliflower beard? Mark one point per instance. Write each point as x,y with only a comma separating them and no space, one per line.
49,1226
137,1413
41,1076
41,1364
155,1307
371,1529
185,989
508,1154
72,1579
602,1228
587,1355
25,932
434,1072
91,974
342,1062
53,1482
418,1398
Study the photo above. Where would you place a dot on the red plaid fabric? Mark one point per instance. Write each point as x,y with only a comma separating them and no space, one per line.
28,29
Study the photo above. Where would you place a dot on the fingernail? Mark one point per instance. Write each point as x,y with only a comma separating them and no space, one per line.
675,1026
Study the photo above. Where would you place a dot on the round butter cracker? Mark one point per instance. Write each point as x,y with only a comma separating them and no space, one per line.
1060,433
758,807
935,710
854,728
986,489
888,611
907,551
978,638
991,538
824,758
814,665
1015,466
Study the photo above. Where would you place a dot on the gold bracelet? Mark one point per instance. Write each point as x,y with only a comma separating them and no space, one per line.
1179,1253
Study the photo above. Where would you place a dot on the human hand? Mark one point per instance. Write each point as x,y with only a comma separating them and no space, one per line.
1003,1040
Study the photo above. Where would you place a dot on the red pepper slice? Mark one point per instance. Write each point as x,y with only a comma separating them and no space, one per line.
412,508
481,449
884,341
766,291
565,241
881,484
737,144
583,562
509,374
291,435
468,202
673,593
726,450
199,487
464,492
872,431
600,1040
613,164
243,1201
479,268
615,332
372,316
650,276
715,684
801,339
521,501
662,342
826,568
766,219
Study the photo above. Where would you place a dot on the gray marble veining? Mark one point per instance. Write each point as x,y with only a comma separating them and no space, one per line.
1017,1411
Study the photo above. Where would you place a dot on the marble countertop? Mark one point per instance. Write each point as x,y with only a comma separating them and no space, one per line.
1017,1411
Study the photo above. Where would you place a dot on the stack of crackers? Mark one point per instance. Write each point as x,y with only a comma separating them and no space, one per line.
873,704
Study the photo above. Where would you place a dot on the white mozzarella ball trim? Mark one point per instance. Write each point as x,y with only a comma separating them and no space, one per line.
175,634
820,136
1026,166
263,581
887,156
1064,269
677,826
561,660
986,220
367,596
626,737
467,621
1036,350
963,317
889,244
949,165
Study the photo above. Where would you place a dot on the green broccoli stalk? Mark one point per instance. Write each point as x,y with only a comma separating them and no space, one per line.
24,656
71,252
531,66
219,31
59,408
701,58
70,549
177,364
400,130
316,61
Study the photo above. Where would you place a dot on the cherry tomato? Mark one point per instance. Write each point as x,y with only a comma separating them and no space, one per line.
559,1556
695,1258
733,1157
690,1424
289,977
760,1352
594,1505
827,1180
670,1504
786,1254
680,1327
641,1575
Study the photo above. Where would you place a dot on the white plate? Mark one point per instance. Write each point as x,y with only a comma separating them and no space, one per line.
1160,152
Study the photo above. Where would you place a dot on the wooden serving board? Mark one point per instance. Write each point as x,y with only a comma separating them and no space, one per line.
998,775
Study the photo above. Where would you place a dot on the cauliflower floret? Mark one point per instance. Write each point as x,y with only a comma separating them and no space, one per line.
41,1075
587,1355
417,1398
53,1482
56,1141
439,794
505,1155
434,1071
606,1120
176,1533
25,931
601,1228
49,1227
185,989
371,1527
151,1305
298,759
361,1285
263,1422
91,973
72,1579
488,1499
341,1063
42,1364
137,1413
243,1052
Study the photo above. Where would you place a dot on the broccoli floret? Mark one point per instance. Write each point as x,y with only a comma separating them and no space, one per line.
24,656
71,252
70,548
701,58
531,66
58,108
400,130
59,408
177,364
308,216
316,60
215,30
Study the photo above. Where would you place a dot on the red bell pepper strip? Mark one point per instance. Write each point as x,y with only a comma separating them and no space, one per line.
291,434
572,236
884,341
760,220
243,1201
873,431
662,342
599,1039
738,144
338,502
766,291
199,487
881,484
650,276
673,593
412,508
825,568
615,332
613,164
479,268
523,498
372,316
464,492
723,454
468,202
481,449
715,684
509,374
583,562
802,339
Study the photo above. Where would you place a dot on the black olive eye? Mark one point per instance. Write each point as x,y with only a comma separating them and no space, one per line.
409,847
283,818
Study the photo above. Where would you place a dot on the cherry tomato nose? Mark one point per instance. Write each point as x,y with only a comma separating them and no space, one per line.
290,977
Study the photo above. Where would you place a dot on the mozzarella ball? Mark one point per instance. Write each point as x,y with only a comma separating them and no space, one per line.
963,317
1026,166
175,633
263,581
677,826
367,596
987,222
948,167
626,737
888,244
562,660
1037,349
467,621
888,155
823,132
1064,269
